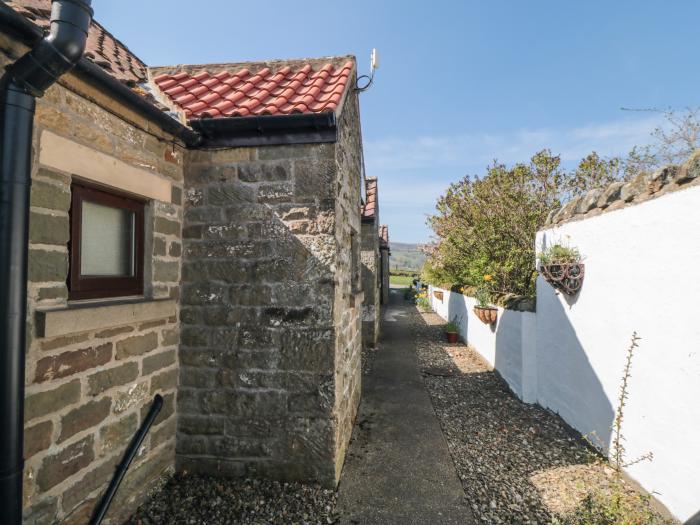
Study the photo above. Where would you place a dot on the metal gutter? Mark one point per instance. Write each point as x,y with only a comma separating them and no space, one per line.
29,33
267,130
24,80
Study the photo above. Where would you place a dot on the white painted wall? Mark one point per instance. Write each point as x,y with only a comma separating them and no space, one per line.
642,274
501,345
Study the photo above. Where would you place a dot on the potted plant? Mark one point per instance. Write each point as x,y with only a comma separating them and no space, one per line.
561,267
452,331
486,313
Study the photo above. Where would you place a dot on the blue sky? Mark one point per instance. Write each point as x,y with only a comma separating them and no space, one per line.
460,82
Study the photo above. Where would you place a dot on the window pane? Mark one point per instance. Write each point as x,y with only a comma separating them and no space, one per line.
107,241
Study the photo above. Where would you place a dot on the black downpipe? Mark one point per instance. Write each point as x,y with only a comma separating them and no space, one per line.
26,79
101,509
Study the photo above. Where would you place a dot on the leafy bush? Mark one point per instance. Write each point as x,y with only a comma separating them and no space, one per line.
488,225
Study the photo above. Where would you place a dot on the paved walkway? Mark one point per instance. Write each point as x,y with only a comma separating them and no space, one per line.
398,469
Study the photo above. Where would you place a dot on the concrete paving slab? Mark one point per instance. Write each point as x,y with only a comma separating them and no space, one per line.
398,469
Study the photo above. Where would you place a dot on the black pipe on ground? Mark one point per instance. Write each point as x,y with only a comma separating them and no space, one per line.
102,508
27,78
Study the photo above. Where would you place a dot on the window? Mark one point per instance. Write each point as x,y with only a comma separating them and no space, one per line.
106,244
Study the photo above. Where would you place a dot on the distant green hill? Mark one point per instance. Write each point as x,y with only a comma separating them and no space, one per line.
405,256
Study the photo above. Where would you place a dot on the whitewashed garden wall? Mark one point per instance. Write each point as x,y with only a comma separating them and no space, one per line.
642,274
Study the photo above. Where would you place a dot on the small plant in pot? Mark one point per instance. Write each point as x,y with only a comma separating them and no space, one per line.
562,267
452,331
486,313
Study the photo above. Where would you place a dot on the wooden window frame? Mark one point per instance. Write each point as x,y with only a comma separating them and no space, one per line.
94,287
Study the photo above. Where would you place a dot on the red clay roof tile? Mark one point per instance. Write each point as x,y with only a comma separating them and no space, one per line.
369,208
231,90
102,48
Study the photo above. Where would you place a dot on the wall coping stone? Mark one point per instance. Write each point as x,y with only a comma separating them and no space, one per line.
619,194
88,316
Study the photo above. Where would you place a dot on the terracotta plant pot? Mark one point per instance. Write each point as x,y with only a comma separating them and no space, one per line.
452,337
486,315
564,277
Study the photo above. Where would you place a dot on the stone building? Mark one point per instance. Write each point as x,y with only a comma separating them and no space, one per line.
371,268
385,254
195,232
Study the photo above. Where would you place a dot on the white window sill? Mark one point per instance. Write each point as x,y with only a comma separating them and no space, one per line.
85,316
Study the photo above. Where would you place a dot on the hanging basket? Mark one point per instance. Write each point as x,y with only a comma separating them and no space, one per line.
564,277
486,315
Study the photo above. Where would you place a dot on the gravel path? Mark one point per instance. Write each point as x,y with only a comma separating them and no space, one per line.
518,463
198,500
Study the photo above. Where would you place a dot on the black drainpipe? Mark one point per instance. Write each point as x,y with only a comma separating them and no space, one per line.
28,78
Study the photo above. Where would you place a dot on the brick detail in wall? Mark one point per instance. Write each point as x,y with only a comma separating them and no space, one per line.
88,391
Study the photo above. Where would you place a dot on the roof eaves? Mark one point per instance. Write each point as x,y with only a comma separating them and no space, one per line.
267,130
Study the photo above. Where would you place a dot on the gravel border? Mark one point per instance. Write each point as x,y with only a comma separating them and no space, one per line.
201,500
518,463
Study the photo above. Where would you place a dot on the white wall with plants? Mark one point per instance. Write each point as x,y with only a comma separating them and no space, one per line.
641,276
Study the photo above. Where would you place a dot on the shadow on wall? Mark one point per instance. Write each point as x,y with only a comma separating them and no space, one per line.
545,366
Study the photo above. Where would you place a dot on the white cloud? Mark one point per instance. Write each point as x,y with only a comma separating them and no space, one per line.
394,154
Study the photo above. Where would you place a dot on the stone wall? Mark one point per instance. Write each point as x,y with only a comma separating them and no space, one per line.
270,325
643,187
384,278
371,269
91,373
348,273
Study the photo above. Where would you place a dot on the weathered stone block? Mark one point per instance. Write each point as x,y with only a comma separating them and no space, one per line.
137,345
275,192
155,362
116,435
610,194
166,226
42,512
230,194
69,363
57,467
158,246
63,341
193,336
164,381
314,179
54,292
264,172
51,401
50,196
116,376
200,425
166,271
47,265
84,417
198,377
170,336
175,249
37,438
48,229
131,397
111,332
91,481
